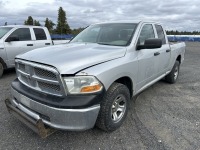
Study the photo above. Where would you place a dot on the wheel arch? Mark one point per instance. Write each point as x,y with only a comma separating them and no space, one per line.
127,82
179,59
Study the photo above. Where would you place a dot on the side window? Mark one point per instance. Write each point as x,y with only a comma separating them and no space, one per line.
23,34
160,33
40,34
147,32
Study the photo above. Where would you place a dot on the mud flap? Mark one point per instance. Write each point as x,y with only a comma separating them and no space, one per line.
36,125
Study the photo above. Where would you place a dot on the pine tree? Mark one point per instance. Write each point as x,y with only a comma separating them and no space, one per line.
77,31
36,23
29,21
62,25
49,24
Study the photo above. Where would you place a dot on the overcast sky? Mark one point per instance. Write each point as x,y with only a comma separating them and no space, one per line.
174,14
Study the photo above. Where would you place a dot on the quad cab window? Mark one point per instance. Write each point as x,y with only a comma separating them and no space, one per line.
147,32
39,34
160,33
22,34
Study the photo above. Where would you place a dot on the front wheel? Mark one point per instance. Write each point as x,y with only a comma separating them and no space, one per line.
173,75
1,69
114,107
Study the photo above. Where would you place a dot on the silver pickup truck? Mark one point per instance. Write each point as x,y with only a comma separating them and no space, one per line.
91,80
18,39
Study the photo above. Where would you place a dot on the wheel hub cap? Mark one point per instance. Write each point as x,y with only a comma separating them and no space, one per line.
176,73
118,108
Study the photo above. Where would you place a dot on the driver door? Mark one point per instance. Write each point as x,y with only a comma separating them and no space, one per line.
23,44
147,58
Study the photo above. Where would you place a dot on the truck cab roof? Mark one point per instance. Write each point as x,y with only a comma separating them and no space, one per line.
22,26
128,21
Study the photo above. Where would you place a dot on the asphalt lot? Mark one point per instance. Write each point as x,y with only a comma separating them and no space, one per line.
164,116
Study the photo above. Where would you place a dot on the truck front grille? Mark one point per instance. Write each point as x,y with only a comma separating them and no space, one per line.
47,86
42,78
44,73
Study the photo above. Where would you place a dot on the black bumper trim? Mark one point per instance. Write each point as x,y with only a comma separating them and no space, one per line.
68,102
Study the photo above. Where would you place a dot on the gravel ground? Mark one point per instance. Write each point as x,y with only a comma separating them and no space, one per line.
164,116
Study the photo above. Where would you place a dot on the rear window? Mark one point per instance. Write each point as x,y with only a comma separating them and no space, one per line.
40,34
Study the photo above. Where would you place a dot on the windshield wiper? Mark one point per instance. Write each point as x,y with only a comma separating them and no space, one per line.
103,43
109,44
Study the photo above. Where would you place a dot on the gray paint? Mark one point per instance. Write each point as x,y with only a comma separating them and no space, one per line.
72,119
8,50
107,64
71,58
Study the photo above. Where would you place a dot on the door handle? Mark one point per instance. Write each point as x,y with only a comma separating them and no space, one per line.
29,44
168,50
47,43
156,53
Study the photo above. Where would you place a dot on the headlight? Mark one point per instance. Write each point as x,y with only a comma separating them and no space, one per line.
82,84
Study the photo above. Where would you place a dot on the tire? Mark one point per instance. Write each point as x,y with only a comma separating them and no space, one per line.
114,107
173,75
1,69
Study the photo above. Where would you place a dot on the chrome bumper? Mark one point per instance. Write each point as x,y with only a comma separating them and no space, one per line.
65,119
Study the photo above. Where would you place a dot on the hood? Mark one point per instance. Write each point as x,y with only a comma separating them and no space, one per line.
73,57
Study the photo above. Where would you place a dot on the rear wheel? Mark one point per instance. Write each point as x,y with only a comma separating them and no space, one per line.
1,69
114,107
173,75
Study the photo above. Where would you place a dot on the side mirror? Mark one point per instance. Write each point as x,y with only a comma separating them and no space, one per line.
150,44
12,38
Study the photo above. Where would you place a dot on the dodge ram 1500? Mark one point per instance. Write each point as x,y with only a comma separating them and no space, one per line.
18,39
91,80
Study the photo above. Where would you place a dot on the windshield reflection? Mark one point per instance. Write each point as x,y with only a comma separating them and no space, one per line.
115,34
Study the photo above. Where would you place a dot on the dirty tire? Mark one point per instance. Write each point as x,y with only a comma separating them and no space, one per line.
1,69
173,75
114,107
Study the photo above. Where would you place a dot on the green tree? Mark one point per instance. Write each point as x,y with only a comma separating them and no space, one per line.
29,21
36,23
5,24
77,31
49,24
62,25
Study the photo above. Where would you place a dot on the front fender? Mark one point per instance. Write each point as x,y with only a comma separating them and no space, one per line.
109,72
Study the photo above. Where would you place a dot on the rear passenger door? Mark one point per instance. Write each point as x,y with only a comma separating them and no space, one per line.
165,51
41,38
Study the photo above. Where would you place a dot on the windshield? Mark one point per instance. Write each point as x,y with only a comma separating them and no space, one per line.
117,34
4,30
